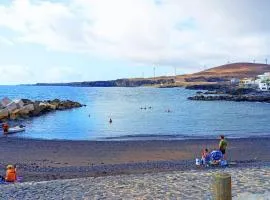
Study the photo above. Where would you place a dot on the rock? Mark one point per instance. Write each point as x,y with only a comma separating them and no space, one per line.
19,103
25,111
27,101
231,98
37,109
11,106
26,108
4,114
29,107
51,106
210,87
241,91
5,101
15,114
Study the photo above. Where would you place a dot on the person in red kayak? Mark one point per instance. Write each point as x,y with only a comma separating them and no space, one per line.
5,127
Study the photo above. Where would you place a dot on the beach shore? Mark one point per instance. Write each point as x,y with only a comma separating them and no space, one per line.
40,160
248,183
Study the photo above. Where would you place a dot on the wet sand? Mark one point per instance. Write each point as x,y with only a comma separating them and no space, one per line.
55,159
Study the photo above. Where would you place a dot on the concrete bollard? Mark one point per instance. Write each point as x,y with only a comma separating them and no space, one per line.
222,186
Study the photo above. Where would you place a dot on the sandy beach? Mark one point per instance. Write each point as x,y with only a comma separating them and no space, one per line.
41,160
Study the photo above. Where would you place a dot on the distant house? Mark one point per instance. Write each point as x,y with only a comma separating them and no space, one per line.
264,77
248,83
264,87
263,81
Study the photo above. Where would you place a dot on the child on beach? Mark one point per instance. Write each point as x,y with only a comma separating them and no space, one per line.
205,156
11,175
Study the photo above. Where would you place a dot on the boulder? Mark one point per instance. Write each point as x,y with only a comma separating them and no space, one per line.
19,103
15,114
4,114
51,106
27,101
37,109
5,101
28,108
11,106
25,110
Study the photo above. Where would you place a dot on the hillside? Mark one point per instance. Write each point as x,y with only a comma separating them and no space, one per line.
217,75
223,73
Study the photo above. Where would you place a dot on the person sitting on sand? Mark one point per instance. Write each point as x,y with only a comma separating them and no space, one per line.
11,175
205,156
223,145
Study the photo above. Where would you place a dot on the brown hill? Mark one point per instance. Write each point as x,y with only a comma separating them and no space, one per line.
237,70
224,73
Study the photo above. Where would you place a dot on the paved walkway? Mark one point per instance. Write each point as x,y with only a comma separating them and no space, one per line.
247,183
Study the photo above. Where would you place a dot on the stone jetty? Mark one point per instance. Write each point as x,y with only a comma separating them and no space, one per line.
25,108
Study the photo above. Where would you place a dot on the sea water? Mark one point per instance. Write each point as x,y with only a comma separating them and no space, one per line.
139,113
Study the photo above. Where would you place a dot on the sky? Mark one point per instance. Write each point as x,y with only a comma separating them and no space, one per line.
89,40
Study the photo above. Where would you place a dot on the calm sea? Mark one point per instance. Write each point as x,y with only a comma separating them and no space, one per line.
187,119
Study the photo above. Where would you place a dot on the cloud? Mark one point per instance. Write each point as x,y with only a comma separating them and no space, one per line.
5,41
65,74
164,32
17,74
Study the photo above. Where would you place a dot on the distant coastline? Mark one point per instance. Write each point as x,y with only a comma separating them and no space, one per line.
212,78
112,83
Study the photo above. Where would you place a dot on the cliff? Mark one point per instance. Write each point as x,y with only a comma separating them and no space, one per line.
113,83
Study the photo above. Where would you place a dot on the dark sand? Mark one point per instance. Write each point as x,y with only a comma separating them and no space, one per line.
53,159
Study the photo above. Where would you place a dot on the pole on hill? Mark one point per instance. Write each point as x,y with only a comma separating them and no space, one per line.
265,60
154,69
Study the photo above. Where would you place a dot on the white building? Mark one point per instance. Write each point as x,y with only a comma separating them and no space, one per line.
263,81
265,76
264,87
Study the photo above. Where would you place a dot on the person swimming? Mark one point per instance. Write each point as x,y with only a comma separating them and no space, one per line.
110,121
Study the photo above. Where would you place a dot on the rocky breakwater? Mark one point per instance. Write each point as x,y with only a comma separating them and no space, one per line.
25,108
250,98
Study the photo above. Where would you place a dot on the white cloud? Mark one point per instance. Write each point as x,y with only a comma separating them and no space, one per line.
173,32
16,74
5,41
65,74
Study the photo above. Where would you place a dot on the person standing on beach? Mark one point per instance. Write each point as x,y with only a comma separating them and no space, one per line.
223,145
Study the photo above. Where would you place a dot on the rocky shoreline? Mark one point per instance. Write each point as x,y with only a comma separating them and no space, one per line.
248,98
25,108
232,94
